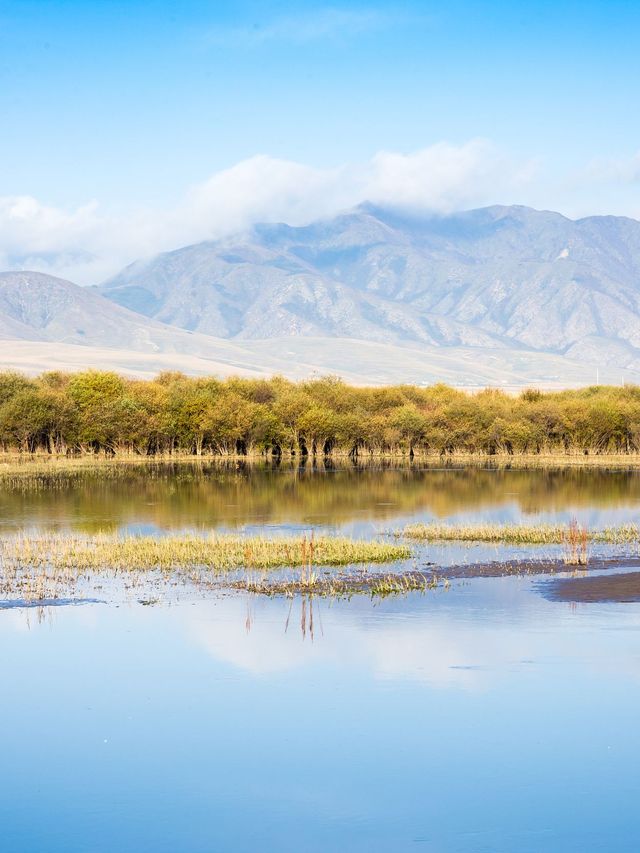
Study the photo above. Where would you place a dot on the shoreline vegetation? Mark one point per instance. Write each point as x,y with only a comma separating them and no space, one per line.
15,461
94,414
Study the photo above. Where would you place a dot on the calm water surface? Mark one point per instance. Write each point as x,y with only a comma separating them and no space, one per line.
362,500
482,718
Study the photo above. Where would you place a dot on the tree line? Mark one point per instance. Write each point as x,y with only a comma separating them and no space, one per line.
102,412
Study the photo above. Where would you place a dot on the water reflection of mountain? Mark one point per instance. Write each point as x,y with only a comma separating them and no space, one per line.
212,495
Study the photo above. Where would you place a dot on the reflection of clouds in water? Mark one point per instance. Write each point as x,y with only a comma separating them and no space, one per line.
445,654
251,639
439,655
14,622
462,648
475,637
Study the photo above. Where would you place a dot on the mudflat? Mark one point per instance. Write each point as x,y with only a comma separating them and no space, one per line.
615,588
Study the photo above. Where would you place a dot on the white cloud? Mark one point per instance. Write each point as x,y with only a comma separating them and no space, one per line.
266,189
81,244
86,245
443,177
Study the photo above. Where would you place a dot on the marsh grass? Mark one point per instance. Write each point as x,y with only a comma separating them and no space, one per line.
522,534
215,552
50,471
47,567
545,459
400,583
345,586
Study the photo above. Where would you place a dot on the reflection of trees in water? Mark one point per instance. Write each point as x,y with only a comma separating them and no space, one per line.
221,494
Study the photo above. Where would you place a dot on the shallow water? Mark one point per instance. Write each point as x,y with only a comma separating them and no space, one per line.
485,717
365,501
361,500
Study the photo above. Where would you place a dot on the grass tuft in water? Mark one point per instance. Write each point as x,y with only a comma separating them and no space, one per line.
214,552
521,534
344,586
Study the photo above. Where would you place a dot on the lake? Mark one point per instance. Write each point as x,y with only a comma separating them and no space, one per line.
356,499
482,717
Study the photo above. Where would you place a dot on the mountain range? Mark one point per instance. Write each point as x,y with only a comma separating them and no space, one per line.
499,295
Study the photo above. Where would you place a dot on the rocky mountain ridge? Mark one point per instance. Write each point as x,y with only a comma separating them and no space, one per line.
500,296
498,277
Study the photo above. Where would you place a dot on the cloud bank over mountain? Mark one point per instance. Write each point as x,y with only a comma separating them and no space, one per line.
89,243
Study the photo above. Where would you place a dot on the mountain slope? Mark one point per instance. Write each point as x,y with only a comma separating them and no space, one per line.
47,323
35,306
39,308
499,277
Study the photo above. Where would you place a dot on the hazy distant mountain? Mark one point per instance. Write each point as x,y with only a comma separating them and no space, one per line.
34,306
50,324
88,329
502,296
499,277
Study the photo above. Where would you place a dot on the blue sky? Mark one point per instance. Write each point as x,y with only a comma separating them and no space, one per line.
123,115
